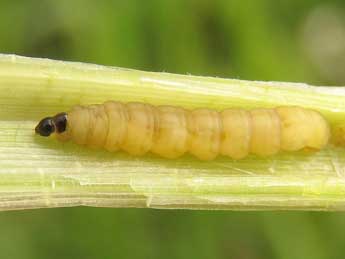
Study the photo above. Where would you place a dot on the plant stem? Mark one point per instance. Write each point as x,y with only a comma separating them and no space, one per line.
37,172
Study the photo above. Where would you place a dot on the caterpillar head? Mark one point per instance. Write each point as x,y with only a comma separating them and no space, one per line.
50,125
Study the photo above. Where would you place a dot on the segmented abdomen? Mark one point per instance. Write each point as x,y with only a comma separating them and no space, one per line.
170,132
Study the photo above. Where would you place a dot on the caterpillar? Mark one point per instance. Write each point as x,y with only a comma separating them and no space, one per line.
170,132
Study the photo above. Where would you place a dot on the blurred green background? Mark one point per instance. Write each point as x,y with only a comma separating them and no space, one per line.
285,40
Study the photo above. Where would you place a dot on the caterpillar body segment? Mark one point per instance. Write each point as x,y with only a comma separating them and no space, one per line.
141,122
236,133
170,132
265,133
168,140
204,128
302,128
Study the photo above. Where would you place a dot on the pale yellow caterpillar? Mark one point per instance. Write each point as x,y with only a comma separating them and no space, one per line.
170,132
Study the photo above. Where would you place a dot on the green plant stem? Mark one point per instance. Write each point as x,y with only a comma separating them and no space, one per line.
37,172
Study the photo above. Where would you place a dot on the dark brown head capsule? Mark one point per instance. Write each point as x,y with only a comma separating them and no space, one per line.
45,127
49,125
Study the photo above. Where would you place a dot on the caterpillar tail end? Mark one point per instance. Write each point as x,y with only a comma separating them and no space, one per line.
50,125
